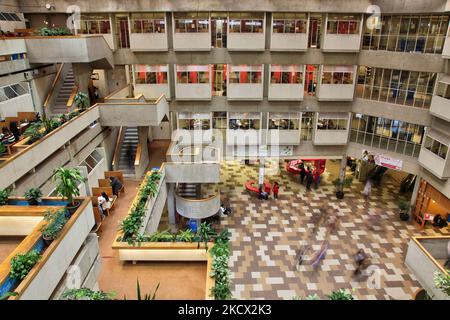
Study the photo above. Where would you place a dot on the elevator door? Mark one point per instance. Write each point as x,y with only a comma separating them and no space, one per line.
311,79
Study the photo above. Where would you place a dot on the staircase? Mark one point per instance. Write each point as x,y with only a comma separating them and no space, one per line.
188,190
60,105
128,151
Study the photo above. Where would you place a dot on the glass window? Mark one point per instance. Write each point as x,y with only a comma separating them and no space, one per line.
418,33
150,74
246,22
343,24
193,74
191,22
393,135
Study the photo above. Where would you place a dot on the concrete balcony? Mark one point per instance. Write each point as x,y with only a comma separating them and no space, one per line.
22,162
148,42
11,107
341,42
241,137
289,42
245,91
335,92
14,66
246,41
198,41
71,49
435,164
330,137
425,257
440,107
152,91
286,92
193,91
446,49
198,208
283,137
133,112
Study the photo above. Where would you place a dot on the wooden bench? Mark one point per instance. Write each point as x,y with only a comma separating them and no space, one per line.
96,192
98,220
104,183
118,175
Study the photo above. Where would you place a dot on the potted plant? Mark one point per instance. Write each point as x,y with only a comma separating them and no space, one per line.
340,185
340,294
67,180
33,196
55,223
4,195
34,132
442,282
82,100
21,264
404,210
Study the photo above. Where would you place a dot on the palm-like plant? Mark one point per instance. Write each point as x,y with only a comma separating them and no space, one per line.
147,296
67,180
82,100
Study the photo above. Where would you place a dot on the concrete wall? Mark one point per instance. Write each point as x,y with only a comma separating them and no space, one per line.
42,286
9,108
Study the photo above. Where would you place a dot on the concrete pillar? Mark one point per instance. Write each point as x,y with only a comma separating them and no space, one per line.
171,202
169,31
415,190
82,73
343,168
262,165
128,71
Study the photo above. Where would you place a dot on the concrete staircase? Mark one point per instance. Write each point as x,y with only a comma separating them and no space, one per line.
188,190
60,105
128,151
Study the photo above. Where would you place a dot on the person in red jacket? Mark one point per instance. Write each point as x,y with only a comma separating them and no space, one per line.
276,188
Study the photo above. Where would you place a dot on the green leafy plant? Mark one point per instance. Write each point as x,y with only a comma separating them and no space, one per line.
4,196
55,223
33,195
7,295
50,124
147,296
442,281
205,233
73,114
82,100
88,294
404,206
185,236
162,236
220,253
131,224
34,132
52,32
340,294
21,264
312,297
67,180
2,148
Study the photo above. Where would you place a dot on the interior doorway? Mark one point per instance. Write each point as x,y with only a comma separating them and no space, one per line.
219,81
315,30
312,71
219,23
122,32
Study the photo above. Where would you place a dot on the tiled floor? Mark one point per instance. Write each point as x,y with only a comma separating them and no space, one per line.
267,237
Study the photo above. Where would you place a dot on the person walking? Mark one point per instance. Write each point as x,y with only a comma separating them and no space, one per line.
360,258
302,172
309,179
275,189
367,189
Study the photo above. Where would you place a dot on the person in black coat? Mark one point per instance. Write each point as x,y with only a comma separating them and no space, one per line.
14,130
309,178
302,172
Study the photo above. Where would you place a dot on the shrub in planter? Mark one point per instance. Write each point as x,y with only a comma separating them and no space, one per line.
21,264
34,132
404,209
51,32
6,295
88,294
81,100
67,181
442,282
340,294
33,196
340,185
4,195
55,223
